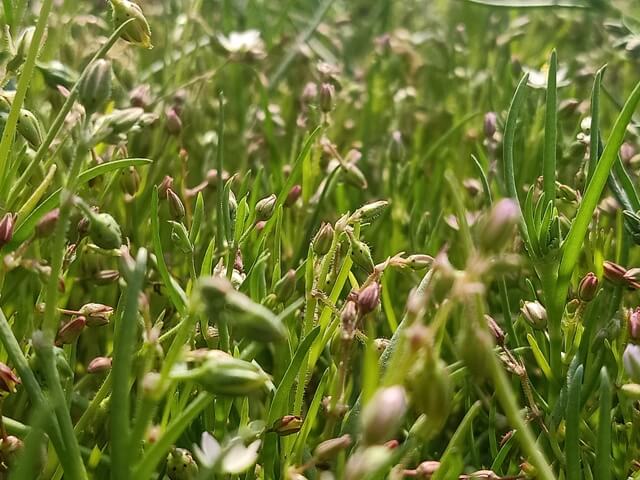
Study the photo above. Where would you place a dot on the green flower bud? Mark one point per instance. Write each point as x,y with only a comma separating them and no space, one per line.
29,127
222,374
431,392
354,176
323,239
361,255
176,207
285,287
535,314
130,180
369,212
113,126
384,414
497,228
287,425
22,46
138,31
418,261
265,207
181,465
104,231
95,89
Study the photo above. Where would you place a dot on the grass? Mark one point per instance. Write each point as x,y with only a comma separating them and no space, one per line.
319,239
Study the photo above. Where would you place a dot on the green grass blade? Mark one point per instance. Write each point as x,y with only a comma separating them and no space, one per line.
603,462
550,131
594,141
572,440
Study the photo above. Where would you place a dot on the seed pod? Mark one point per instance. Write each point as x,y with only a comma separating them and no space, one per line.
535,314
8,380
266,207
136,32
293,195
222,374
383,415
47,224
326,92
95,89
286,286
631,362
104,231
176,207
7,223
361,255
368,298
96,314
287,425
99,365
497,228
71,330
588,287
29,127
130,180
330,448
323,239
181,465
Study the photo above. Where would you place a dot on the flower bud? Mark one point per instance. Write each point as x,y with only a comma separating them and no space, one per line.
47,224
293,195
104,231
354,176
632,278
535,314
7,223
259,226
173,122
427,469
96,314
136,32
631,391
430,387
497,228
95,89
285,287
22,46
588,287
29,127
614,272
265,207
99,365
287,425
361,255
71,330
323,239
364,463
418,261
490,124
370,211
181,465
326,92
180,237
165,186
140,96
330,448
113,126
222,374
496,331
8,380
368,298
384,414
130,180
176,207
631,362
348,319
634,325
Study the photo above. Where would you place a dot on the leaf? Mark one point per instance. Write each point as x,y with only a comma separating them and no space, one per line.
550,131
572,445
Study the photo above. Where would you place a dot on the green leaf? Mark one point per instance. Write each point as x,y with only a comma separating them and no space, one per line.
572,440
603,462
550,131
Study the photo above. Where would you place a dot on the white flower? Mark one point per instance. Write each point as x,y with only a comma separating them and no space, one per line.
243,44
239,458
209,450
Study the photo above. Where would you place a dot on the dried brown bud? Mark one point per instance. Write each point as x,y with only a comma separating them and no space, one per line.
496,331
173,122
71,330
326,92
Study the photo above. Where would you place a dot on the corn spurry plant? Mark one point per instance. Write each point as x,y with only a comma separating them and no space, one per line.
319,240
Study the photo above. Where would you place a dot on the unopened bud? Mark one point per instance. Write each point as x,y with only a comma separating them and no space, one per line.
418,261
136,32
173,122
7,223
8,380
30,128
588,287
483,474
364,463
47,224
354,176
181,465
266,207
71,330
427,469
287,425
631,362
22,46
326,92
99,365
285,287
130,180
293,195
95,89
496,331
165,186
96,314
323,239
535,314
614,272
369,298
370,211
634,325
490,124
176,207
631,391
497,227
361,255
330,448
632,278
384,414
140,96
105,232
